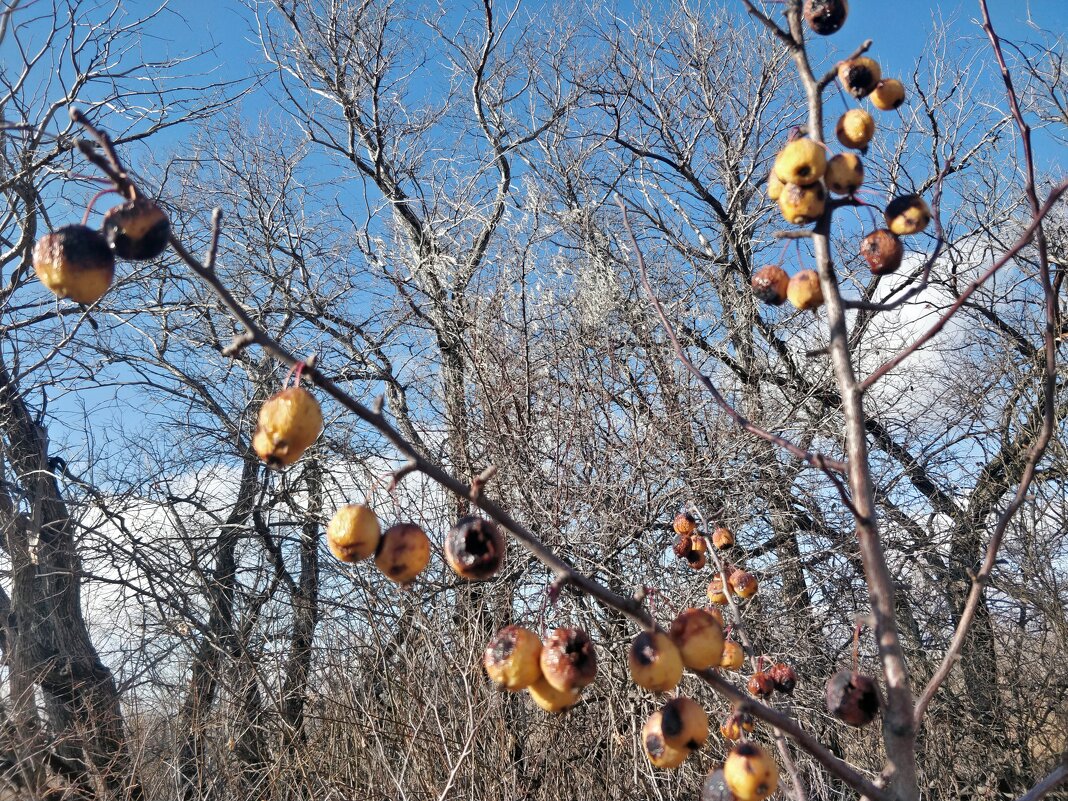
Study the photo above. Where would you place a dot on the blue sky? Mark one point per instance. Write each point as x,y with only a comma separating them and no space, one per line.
899,29
226,28
899,32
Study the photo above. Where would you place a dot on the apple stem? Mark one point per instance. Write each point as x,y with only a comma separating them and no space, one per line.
289,375
89,208
552,593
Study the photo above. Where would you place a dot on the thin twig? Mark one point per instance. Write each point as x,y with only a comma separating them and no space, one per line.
1049,379
959,303
1056,777
815,459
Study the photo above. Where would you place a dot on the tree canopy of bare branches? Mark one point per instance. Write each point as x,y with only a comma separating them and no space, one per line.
510,250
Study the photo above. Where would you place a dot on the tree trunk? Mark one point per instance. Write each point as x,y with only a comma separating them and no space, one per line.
305,614
49,641
204,679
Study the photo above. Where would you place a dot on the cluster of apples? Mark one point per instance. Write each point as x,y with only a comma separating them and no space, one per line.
474,547
803,174
692,545
555,671
78,262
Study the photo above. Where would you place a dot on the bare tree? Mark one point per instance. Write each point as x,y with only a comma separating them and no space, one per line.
58,56
548,277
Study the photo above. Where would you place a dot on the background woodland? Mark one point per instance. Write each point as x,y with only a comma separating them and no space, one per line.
430,207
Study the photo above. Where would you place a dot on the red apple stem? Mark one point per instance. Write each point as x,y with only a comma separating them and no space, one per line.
89,208
289,375
674,610
651,593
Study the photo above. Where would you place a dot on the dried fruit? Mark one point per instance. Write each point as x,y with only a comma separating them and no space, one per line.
804,291
512,658
907,214
696,559
655,746
551,699
826,16
716,593
722,538
137,229
698,543
801,205
74,262
655,663
288,423
733,656
855,128
882,250
353,533
769,285
684,524
761,684
859,76
845,173
698,634
568,659
683,546
474,548
888,95
743,584
803,161
403,552
684,724
784,677
737,725
751,774
853,698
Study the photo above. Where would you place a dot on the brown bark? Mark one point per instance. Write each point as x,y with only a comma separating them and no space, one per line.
305,613
216,642
49,642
